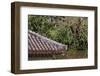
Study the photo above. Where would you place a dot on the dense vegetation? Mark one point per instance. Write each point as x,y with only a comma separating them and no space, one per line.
71,31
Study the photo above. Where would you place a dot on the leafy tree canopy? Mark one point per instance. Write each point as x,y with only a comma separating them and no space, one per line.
71,31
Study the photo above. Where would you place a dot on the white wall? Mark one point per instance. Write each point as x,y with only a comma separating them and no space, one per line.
5,42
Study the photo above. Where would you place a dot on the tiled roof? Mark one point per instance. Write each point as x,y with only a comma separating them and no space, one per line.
38,44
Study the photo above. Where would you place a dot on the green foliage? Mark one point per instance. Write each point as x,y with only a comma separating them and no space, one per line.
71,31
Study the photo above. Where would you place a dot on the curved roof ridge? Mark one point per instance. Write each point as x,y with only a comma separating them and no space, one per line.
45,38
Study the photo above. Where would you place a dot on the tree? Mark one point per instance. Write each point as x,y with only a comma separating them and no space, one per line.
71,31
